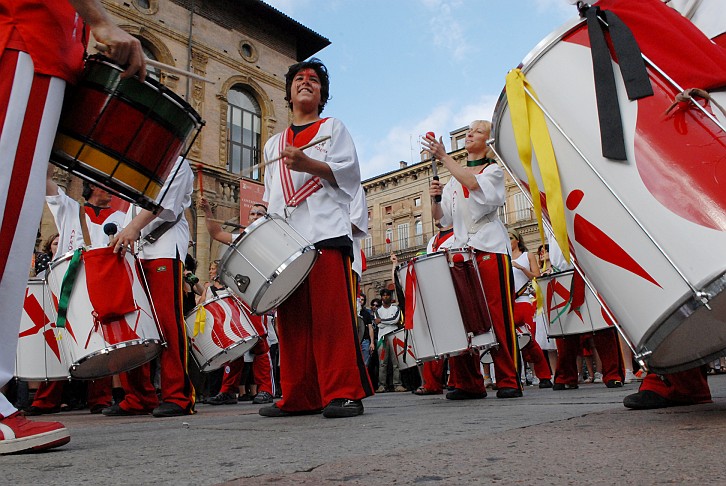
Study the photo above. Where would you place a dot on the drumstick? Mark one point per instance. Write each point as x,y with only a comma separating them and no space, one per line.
165,67
264,164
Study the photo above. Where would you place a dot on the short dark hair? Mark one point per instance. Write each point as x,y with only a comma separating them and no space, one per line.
260,205
386,292
316,65
190,263
377,302
87,190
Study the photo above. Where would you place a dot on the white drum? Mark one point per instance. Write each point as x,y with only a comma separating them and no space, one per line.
404,351
441,327
39,355
266,263
707,15
647,232
220,331
524,337
570,306
98,342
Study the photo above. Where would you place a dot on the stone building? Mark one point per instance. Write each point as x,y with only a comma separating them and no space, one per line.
399,213
244,47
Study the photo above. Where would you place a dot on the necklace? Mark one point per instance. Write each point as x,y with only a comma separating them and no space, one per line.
478,162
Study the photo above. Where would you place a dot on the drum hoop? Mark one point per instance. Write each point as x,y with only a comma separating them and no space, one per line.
554,275
173,97
115,347
203,366
278,271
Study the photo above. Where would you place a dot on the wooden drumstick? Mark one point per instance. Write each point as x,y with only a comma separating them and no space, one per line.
165,67
268,162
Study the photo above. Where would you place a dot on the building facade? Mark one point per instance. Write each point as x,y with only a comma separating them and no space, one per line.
244,47
399,215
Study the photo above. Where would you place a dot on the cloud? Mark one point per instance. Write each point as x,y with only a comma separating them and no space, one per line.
566,7
402,141
446,31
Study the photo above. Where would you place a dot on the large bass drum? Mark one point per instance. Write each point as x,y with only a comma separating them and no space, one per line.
647,232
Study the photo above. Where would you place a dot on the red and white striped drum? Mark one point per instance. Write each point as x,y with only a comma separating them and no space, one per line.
647,232
39,355
96,346
441,325
220,331
570,306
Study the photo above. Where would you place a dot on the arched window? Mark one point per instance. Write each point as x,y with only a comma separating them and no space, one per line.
243,132
151,71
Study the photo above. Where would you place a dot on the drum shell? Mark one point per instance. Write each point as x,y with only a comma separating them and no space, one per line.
97,351
123,134
39,356
273,256
228,332
438,326
655,307
561,317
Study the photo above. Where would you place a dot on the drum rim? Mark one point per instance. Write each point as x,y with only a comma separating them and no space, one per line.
126,344
227,292
175,98
438,253
203,367
529,60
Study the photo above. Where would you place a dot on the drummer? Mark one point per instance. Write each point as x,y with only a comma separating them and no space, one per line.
260,353
470,201
96,214
41,48
321,365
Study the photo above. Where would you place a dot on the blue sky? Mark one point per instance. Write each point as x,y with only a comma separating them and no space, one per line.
400,68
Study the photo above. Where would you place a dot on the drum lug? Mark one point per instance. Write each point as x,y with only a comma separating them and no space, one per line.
704,297
242,282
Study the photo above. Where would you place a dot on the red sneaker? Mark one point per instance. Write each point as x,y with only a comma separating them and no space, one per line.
18,434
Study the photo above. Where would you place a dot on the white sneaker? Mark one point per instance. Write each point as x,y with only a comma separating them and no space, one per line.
487,382
597,378
535,381
629,377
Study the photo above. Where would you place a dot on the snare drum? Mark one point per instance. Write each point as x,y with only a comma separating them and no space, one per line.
95,348
123,134
439,325
266,263
404,351
220,331
565,318
638,228
39,355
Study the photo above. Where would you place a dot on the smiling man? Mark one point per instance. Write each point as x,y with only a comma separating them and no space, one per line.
321,366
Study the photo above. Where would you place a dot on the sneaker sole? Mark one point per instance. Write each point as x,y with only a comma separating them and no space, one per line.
38,442
342,413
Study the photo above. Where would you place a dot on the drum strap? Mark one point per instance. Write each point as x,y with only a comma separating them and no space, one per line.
410,293
69,280
294,198
200,320
632,67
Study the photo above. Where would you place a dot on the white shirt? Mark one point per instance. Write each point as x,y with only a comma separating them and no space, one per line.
390,319
520,278
443,243
474,214
359,220
177,199
326,213
66,213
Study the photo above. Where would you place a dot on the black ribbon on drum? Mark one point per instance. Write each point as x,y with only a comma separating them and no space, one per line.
632,69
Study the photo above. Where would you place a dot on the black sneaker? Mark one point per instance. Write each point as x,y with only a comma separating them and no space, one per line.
646,400
168,409
273,411
33,411
614,384
222,399
545,383
509,393
244,398
342,408
115,410
564,386
262,397
458,394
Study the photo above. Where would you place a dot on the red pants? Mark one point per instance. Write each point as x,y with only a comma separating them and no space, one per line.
49,393
163,276
531,353
433,375
608,348
688,387
261,370
320,355
465,371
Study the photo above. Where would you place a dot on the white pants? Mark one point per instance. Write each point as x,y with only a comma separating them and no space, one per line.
31,105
